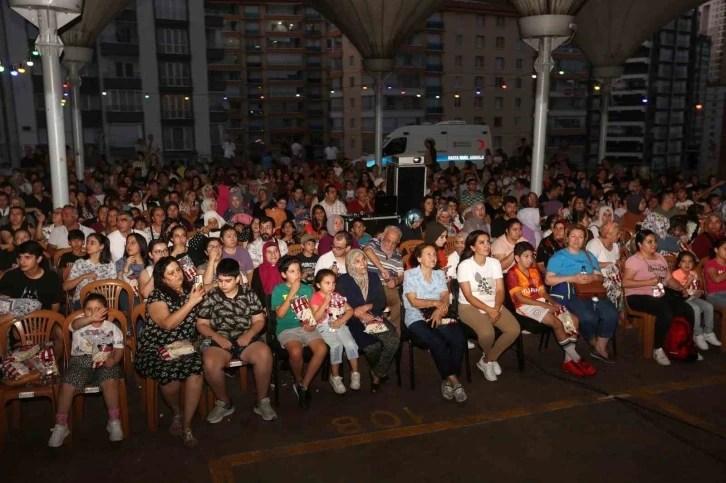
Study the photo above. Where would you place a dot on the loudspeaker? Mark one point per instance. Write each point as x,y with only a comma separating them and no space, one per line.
408,182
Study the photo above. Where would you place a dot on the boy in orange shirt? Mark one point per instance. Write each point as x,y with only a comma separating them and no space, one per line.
532,300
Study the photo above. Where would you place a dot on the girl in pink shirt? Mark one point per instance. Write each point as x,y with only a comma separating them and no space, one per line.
702,309
716,275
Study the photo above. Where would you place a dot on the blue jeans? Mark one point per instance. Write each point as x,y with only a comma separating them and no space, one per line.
600,321
447,345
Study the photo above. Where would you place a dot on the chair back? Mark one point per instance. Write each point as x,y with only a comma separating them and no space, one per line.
407,247
271,325
114,316
139,312
450,245
294,249
112,290
625,236
58,254
495,201
624,253
65,272
671,260
34,328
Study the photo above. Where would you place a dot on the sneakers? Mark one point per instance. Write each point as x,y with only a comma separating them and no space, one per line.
711,339
115,433
264,409
660,357
447,390
59,434
176,426
497,368
188,439
459,393
221,410
586,368
337,383
355,381
573,368
301,394
470,345
700,341
488,369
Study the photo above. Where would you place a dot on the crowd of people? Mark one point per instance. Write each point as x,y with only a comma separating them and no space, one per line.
206,248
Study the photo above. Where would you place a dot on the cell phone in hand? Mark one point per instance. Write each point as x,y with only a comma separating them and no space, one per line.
198,282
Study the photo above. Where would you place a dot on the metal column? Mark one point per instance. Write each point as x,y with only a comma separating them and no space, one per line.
74,79
604,114
543,66
379,119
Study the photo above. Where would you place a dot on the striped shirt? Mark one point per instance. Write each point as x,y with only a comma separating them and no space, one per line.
393,264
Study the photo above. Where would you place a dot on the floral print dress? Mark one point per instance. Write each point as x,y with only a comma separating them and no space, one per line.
148,360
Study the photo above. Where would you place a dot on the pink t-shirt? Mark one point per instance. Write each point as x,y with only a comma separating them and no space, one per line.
682,277
711,286
644,270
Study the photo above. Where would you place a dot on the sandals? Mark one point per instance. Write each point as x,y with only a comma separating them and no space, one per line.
375,386
176,426
188,439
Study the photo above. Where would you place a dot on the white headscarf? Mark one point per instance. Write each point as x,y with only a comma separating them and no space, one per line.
220,222
530,218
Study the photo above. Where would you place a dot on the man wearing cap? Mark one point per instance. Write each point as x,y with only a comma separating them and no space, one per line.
308,258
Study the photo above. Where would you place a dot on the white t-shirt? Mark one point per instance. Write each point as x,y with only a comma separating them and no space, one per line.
118,243
228,148
482,279
296,149
326,261
602,254
59,236
331,153
88,337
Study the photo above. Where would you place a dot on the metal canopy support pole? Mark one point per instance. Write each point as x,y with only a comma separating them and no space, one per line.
74,79
543,66
379,119
50,48
604,114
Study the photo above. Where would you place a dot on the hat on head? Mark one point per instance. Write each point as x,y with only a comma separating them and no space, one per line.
306,238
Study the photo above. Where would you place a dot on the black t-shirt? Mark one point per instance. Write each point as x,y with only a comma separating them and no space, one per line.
307,266
47,289
498,226
45,205
23,226
68,259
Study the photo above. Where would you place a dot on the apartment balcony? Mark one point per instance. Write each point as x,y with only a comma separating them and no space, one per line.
431,25
256,80
167,114
436,47
434,68
253,64
313,33
114,46
434,110
113,83
256,112
434,90
174,14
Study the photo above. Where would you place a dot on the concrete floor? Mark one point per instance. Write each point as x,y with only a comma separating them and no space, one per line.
530,426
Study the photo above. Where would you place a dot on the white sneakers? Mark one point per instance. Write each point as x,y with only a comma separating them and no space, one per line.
660,357
355,381
59,433
711,339
447,390
336,383
497,368
488,369
115,433
700,342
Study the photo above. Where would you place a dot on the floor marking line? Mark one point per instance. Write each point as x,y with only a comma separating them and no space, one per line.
684,415
221,469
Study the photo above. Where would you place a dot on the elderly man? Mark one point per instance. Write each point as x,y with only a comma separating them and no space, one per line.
58,238
386,261
117,239
267,230
361,205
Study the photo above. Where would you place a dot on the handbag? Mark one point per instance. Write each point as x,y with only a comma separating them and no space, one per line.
592,289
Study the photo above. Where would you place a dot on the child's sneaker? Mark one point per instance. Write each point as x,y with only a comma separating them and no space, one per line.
700,341
488,369
586,368
337,383
221,410
59,434
660,357
115,433
355,381
711,339
497,368
447,390
459,393
264,409
573,368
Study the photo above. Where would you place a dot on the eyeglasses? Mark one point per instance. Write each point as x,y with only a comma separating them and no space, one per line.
336,247
160,252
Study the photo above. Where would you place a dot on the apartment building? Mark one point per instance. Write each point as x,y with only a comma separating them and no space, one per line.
713,25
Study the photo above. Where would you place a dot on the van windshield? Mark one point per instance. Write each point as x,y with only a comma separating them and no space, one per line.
395,146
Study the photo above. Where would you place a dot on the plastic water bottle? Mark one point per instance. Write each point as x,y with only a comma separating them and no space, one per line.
583,271
595,300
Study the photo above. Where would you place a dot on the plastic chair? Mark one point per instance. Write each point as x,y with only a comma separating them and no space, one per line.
408,246
112,290
646,327
58,254
131,346
78,403
34,328
450,245
294,249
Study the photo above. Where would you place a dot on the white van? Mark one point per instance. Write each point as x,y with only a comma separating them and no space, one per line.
454,141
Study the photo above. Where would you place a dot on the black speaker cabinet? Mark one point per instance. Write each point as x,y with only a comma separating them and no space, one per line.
408,182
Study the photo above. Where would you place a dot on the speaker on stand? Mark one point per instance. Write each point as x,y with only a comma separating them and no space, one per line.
406,178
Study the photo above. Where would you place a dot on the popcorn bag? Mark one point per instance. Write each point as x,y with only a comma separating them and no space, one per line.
176,350
19,308
301,307
566,318
101,353
336,309
23,353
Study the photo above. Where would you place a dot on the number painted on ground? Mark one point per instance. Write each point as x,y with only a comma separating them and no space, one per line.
381,420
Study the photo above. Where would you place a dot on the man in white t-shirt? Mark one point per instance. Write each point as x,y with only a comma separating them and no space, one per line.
228,147
117,239
335,258
378,182
331,153
297,151
58,238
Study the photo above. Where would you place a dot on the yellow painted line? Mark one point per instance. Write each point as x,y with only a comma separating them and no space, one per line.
684,415
221,469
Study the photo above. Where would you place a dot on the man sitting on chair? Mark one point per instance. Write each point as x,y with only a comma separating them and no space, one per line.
233,317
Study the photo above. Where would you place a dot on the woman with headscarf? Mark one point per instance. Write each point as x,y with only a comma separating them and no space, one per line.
444,216
635,204
365,294
436,235
604,216
660,225
236,205
411,225
477,220
334,225
267,275
264,202
209,208
531,225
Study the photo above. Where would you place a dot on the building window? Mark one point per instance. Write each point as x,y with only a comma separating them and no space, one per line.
478,120
498,121
172,41
499,43
459,40
178,138
457,102
478,102
480,20
479,62
518,102
351,61
458,61
351,81
175,107
352,102
518,83
459,19
499,81
517,121
457,82
501,22
497,141
478,82
479,42
125,70
171,9
499,63
518,64
498,102
352,123
174,74
519,44
124,101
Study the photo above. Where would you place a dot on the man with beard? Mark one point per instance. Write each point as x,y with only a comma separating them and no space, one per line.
267,228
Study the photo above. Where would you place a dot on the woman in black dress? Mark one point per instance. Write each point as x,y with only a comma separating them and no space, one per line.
171,316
